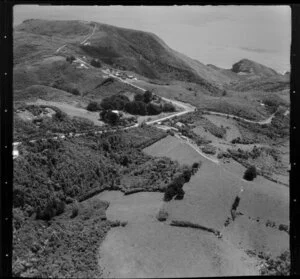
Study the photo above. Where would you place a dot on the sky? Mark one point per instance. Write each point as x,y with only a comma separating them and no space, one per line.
219,35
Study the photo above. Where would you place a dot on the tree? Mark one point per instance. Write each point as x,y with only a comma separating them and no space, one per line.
147,96
153,109
250,173
75,91
168,107
102,115
111,117
139,97
93,106
96,63
70,58
117,102
136,107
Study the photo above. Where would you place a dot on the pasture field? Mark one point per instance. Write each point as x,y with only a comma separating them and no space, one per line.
210,194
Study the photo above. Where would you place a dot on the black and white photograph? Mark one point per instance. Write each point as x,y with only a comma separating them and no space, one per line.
151,141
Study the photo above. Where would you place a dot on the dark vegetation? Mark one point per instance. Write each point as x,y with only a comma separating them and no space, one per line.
43,127
209,149
110,117
162,215
50,172
278,130
62,248
194,119
187,132
258,156
93,106
61,85
239,140
187,224
141,105
280,266
174,189
56,236
95,63
250,173
219,132
70,58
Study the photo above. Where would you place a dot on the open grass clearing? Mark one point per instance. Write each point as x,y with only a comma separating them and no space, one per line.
210,193
156,250
72,110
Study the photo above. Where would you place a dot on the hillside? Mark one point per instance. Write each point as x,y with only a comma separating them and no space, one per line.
137,51
140,52
250,67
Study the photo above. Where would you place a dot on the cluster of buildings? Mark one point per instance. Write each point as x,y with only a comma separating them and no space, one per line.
122,75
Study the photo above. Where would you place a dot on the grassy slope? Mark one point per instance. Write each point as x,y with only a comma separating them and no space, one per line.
211,192
140,51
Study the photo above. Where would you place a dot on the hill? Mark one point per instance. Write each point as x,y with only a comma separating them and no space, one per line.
250,67
137,51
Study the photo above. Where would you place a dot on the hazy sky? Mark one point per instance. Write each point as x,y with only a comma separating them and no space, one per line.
219,35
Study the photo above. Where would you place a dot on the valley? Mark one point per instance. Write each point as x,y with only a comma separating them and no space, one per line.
108,121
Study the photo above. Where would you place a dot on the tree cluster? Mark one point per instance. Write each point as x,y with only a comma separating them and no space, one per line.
174,189
141,105
95,63
250,173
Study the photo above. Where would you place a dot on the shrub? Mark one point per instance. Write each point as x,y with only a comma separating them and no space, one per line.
75,91
180,195
139,97
153,109
162,215
75,209
53,207
148,96
250,173
175,187
111,117
96,63
60,116
278,267
70,58
93,106
284,228
117,102
136,107
209,149
168,107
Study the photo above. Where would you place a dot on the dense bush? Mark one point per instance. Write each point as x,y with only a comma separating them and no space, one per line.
70,58
280,266
110,117
162,215
139,97
59,84
153,109
75,209
115,102
64,248
187,132
250,173
53,207
95,63
136,107
48,127
148,96
168,107
174,189
209,149
93,106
